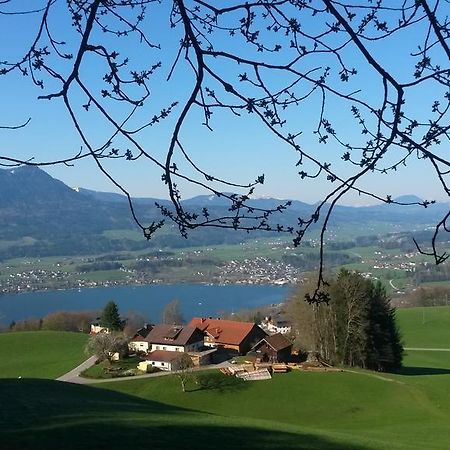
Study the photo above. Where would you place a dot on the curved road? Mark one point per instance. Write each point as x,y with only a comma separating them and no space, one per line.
393,287
74,375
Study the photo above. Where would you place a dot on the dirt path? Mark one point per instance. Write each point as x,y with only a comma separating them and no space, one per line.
427,349
374,375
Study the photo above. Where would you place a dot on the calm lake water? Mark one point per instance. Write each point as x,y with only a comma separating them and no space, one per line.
195,300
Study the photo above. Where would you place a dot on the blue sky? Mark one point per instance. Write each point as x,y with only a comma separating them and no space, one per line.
239,149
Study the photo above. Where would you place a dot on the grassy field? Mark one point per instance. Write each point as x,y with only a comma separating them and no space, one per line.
352,410
40,354
292,411
425,327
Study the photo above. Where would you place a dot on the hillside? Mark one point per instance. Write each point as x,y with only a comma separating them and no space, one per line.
41,216
40,354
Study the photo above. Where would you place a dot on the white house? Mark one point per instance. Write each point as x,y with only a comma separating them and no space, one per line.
173,338
276,325
138,342
165,360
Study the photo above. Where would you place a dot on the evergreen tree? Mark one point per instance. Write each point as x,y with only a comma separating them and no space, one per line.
358,326
384,350
110,317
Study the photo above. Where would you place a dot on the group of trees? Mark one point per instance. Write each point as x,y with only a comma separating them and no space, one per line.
428,296
105,345
425,273
78,321
356,328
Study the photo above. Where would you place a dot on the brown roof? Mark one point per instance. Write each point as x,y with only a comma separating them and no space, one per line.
163,356
276,341
142,333
224,331
174,335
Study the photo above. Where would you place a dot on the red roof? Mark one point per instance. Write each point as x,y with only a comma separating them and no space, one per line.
223,331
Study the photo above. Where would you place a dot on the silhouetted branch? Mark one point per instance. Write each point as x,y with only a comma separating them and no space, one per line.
267,61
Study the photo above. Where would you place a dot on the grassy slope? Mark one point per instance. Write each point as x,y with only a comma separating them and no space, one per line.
101,419
355,408
40,354
296,410
360,410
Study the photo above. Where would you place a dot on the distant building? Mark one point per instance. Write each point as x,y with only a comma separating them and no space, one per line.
96,328
228,334
277,324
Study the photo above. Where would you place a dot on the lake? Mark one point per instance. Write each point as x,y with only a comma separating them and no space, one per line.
195,300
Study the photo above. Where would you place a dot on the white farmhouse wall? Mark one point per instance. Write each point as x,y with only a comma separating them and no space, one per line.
177,348
139,346
167,347
161,365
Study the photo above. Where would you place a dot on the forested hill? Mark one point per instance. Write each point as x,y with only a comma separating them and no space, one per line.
41,216
34,204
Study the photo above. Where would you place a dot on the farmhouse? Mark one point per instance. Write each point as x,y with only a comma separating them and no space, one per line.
138,342
275,348
174,338
164,360
228,334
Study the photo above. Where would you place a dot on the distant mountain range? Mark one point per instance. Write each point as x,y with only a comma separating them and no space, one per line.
41,216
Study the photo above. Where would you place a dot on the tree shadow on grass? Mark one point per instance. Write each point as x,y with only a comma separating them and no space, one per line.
45,414
219,382
412,371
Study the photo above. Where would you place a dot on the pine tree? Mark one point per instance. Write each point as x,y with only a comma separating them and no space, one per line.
110,317
384,348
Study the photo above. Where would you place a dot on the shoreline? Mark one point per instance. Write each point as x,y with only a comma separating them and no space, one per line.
135,285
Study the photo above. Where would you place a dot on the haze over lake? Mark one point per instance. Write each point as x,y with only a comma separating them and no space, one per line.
195,300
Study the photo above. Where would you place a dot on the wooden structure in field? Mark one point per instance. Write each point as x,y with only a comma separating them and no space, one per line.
275,348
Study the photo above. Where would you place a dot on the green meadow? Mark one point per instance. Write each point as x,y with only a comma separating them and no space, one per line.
352,410
40,354
425,327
